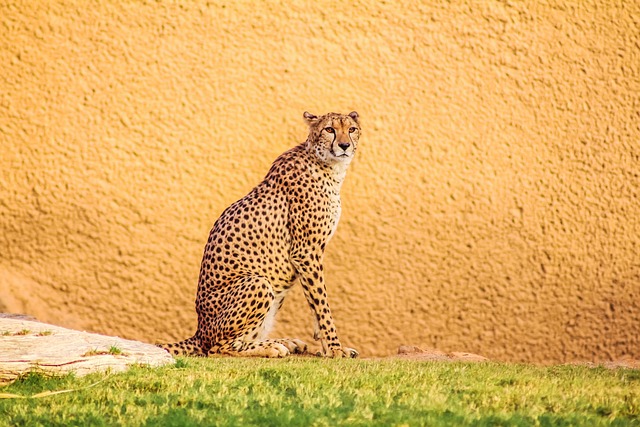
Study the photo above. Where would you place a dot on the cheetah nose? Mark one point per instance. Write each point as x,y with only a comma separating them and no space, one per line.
344,145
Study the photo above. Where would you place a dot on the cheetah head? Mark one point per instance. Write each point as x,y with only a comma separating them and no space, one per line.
333,137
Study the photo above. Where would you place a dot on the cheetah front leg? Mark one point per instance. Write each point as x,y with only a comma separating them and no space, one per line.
327,350
312,280
316,334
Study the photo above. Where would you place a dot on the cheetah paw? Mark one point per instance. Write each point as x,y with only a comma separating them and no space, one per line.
276,350
295,346
340,352
345,352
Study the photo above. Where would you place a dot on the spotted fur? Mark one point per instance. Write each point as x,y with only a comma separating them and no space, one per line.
267,240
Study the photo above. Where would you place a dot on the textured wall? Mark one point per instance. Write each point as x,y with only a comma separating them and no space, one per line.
493,206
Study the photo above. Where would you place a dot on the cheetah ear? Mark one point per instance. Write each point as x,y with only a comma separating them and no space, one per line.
310,118
354,115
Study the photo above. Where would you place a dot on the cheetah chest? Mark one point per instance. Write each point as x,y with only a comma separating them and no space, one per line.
335,210
331,192
329,184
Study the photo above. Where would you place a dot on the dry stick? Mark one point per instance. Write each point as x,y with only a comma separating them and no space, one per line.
48,393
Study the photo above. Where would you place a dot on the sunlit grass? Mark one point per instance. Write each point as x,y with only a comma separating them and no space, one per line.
310,391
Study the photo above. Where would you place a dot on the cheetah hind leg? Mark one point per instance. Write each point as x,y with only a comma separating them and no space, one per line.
261,348
247,325
258,348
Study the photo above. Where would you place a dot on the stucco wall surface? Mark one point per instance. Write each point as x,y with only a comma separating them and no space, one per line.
493,206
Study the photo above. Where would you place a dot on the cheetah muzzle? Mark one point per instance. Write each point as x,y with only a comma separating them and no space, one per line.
271,238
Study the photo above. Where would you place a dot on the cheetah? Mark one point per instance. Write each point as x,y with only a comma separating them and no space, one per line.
265,242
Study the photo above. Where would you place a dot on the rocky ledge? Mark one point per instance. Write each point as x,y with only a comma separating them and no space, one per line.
30,346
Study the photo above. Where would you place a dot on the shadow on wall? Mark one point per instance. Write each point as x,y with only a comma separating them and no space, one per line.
21,295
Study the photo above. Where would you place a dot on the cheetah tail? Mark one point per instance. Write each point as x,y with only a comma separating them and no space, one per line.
189,347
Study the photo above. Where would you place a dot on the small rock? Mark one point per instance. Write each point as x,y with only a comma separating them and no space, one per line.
417,353
409,349
412,352
467,357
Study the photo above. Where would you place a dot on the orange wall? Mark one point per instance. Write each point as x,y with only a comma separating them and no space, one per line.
494,205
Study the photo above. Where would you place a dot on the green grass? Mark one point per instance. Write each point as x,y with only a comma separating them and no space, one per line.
321,392
113,350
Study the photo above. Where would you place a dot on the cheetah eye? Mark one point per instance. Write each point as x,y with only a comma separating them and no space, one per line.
330,130
352,130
